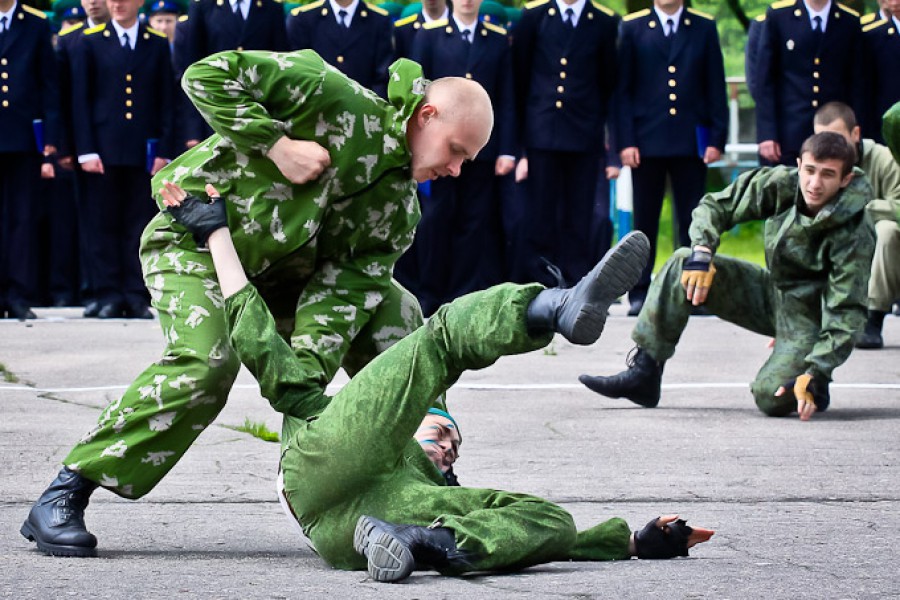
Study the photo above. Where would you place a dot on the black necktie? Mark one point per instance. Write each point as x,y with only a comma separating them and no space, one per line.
817,25
670,27
126,43
570,18
466,35
342,17
3,26
237,10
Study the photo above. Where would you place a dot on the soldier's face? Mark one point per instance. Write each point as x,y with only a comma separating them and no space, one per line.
439,439
95,9
838,126
124,11
668,6
165,23
821,180
466,9
439,146
893,7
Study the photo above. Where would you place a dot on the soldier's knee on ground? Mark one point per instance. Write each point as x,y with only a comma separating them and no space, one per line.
770,404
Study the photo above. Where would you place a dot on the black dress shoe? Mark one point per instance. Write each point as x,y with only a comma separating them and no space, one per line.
56,521
635,306
20,312
138,311
91,309
110,311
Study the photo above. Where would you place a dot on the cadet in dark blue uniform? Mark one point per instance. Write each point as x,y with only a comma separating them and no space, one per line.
406,28
217,25
28,91
881,43
565,76
805,60
68,39
124,99
459,241
672,117
354,36
751,53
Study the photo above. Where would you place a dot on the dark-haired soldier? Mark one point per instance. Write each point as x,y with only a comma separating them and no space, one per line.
811,296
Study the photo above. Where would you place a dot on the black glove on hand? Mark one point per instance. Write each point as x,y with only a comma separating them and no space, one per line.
200,218
668,542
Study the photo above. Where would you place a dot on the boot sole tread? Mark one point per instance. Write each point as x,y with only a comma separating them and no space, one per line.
56,549
388,559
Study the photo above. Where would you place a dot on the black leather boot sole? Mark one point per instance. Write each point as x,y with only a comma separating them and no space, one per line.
55,549
389,559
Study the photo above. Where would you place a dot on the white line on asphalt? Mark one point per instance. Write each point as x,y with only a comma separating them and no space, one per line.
524,387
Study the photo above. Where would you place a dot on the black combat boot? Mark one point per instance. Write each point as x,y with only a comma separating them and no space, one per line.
56,521
394,551
871,336
579,312
640,382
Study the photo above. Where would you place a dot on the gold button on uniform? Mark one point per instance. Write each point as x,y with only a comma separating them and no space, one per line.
128,103
673,97
817,61
468,76
559,104
128,77
562,61
5,88
240,47
815,74
340,59
815,89
562,74
128,90
672,111
815,103
671,68
4,62
560,89
4,75
672,83
5,103
128,116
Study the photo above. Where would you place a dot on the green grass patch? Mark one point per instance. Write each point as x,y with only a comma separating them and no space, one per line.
257,430
7,376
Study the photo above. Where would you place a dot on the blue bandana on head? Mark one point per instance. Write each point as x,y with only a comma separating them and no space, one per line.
445,414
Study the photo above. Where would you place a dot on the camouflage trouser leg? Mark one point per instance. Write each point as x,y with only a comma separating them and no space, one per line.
884,284
397,316
742,293
141,436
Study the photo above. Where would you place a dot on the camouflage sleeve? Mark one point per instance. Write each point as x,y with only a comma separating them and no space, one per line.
844,298
283,380
754,195
884,174
246,97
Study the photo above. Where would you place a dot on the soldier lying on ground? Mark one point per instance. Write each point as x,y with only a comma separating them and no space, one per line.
373,455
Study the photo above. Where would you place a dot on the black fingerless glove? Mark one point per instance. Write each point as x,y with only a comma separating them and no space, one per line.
199,217
668,542
700,260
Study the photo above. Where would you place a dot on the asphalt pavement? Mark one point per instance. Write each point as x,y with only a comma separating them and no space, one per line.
801,510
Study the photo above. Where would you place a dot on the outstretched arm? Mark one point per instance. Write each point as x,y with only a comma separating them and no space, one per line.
212,224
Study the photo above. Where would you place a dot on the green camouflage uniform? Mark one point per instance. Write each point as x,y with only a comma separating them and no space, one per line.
356,455
321,253
811,296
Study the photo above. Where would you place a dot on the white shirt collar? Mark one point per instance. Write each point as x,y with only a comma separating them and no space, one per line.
131,31
350,10
461,26
822,13
896,21
663,17
428,19
9,15
577,9
245,7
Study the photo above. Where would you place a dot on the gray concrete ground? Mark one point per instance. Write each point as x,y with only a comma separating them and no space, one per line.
802,510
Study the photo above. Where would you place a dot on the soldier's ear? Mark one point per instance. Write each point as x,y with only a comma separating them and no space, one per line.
847,179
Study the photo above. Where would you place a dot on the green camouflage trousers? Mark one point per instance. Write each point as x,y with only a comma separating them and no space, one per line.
141,436
742,293
357,456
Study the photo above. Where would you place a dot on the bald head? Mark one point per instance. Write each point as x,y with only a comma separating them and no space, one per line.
451,125
463,101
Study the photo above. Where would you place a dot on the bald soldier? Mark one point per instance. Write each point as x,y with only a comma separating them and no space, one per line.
322,174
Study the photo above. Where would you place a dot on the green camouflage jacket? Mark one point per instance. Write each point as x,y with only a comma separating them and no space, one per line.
890,129
820,264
